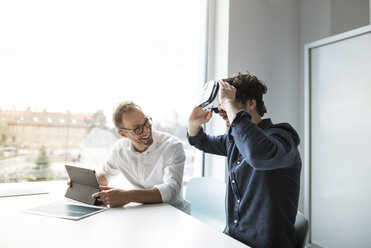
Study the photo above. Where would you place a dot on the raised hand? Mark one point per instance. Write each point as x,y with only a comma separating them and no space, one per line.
197,118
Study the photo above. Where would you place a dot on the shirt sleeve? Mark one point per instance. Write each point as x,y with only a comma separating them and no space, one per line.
214,144
174,159
274,148
109,168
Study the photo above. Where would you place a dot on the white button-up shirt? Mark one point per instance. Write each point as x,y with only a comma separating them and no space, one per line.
160,166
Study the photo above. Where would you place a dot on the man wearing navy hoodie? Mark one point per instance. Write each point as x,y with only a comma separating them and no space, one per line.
263,164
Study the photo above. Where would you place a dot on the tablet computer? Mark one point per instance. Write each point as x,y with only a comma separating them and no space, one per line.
65,210
84,183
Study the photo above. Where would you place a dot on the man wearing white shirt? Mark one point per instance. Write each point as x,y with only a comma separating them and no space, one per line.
150,160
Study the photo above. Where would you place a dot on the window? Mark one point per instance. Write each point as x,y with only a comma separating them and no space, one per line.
66,64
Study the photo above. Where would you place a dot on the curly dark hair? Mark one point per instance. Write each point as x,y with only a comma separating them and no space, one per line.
249,87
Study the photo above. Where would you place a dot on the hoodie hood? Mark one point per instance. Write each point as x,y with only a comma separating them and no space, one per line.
267,124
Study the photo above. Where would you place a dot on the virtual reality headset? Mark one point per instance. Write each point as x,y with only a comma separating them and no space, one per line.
209,99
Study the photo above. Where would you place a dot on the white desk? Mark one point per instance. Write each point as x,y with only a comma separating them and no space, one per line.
152,225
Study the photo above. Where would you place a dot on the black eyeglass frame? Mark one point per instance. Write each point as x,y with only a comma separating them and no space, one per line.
139,129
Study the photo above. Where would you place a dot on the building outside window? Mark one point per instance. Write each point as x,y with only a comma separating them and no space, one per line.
66,64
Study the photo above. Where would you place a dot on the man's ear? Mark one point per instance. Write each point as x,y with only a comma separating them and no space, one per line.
122,133
251,104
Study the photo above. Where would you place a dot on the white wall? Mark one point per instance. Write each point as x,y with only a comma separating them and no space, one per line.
264,39
320,19
337,187
267,38
347,15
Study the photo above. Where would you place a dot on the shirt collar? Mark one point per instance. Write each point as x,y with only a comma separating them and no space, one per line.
265,123
153,146
149,149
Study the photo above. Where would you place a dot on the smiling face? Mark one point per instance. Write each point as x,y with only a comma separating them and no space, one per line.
137,119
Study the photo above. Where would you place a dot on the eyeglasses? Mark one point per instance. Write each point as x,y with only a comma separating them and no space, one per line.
139,129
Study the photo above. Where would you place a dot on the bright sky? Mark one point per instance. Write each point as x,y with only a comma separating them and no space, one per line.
85,55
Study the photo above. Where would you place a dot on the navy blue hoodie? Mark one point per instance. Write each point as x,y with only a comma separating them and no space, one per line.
264,179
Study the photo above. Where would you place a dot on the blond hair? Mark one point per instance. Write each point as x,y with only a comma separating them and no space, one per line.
122,108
